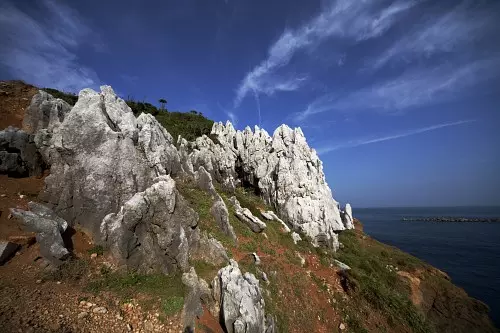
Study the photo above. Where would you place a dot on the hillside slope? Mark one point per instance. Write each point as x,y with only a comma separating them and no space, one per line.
180,209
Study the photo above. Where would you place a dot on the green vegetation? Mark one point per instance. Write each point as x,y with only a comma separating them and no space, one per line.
69,98
189,125
98,249
373,280
202,202
169,289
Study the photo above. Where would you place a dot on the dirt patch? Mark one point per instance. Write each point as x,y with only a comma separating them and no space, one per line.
15,97
416,296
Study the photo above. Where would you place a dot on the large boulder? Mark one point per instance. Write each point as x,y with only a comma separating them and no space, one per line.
151,231
101,156
283,169
48,228
19,156
240,300
44,112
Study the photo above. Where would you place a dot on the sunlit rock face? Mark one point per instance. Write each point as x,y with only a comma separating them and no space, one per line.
282,169
100,156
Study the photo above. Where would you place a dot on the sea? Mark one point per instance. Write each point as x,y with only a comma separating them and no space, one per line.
468,251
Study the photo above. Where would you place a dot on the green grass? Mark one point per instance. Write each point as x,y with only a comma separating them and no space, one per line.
98,249
202,202
69,98
168,289
205,270
172,305
373,283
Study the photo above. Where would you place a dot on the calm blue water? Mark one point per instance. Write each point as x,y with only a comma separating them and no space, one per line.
468,252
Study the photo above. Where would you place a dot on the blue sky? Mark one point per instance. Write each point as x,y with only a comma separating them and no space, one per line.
400,98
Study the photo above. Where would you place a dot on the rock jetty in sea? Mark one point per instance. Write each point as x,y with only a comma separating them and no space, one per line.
452,219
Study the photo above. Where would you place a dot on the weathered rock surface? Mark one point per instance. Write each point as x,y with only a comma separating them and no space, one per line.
246,216
48,228
208,249
7,249
270,215
19,156
100,156
198,293
240,299
150,232
346,215
44,112
283,169
296,237
218,209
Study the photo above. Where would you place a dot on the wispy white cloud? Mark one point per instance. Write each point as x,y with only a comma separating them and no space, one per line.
233,118
355,20
42,49
457,29
413,88
361,142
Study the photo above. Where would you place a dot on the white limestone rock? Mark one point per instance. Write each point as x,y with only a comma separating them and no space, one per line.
287,173
240,300
246,216
100,156
296,237
347,218
150,232
44,112
48,228
270,215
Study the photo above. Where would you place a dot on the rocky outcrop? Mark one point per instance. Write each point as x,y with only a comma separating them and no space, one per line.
208,249
282,169
218,209
101,156
150,232
246,216
270,215
240,300
19,156
48,228
44,112
347,218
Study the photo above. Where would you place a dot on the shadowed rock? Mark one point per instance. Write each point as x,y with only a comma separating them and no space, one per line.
7,250
44,112
19,156
48,228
